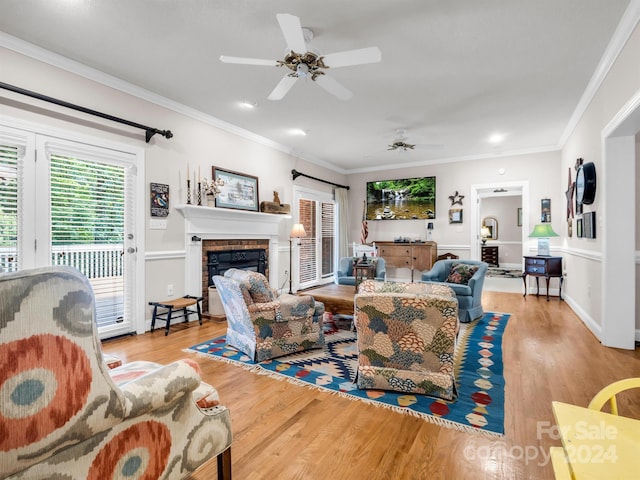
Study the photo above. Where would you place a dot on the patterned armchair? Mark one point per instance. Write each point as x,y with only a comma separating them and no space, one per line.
406,337
64,414
264,325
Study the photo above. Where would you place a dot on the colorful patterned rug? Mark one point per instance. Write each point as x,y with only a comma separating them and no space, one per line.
479,407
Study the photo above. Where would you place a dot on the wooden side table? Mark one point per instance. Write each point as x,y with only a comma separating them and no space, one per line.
542,266
362,271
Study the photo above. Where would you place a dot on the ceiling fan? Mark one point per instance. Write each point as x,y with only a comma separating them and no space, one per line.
305,63
400,144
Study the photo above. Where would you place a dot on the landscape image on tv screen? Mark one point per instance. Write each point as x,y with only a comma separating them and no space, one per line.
405,199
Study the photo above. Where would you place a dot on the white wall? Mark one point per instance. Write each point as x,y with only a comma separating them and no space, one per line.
537,168
583,257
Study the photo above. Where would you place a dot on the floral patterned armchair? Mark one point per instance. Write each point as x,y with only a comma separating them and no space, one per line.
264,325
65,414
406,337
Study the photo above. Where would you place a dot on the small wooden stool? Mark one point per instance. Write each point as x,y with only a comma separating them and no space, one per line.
177,304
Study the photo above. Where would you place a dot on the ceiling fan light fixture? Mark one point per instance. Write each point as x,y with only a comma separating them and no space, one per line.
302,70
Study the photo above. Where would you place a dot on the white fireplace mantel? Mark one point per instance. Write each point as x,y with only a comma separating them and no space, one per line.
212,223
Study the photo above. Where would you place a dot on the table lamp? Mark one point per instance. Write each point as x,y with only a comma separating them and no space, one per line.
296,232
429,230
485,233
542,232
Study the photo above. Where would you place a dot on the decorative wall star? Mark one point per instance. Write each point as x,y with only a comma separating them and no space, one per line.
456,199
569,195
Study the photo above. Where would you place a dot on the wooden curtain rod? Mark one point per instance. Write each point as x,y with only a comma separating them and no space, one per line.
297,174
149,131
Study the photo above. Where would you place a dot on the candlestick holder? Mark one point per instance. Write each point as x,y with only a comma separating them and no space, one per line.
199,194
188,192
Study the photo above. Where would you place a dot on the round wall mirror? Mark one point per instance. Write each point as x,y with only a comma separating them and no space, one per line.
492,224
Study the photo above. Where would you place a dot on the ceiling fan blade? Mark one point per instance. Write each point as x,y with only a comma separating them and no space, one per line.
248,61
353,57
292,31
434,146
333,87
282,88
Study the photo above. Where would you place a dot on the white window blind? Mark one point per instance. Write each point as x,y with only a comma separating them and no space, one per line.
308,255
87,202
9,208
328,240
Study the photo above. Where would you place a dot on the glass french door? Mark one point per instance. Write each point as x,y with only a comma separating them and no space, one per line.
317,251
68,203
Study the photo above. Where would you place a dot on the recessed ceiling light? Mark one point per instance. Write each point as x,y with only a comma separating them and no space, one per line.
248,105
496,138
298,131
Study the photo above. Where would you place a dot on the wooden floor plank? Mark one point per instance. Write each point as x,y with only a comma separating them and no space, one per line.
287,431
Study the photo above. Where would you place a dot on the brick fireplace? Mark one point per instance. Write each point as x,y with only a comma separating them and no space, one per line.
217,229
235,248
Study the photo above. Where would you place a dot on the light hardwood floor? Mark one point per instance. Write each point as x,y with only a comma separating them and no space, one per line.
284,431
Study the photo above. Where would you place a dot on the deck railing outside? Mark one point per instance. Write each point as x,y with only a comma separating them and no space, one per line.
103,265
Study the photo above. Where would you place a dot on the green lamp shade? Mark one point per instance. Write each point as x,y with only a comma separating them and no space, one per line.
543,230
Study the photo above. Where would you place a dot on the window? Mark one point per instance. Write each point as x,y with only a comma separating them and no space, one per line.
318,249
8,208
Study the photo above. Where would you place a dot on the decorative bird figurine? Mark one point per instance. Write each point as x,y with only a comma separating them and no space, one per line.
456,199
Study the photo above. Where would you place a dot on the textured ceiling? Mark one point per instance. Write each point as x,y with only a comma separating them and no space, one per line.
452,72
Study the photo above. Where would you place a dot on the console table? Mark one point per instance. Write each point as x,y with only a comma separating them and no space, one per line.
414,255
542,266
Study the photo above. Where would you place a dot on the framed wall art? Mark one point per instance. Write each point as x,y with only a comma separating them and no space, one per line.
240,191
159,199
579,232
545,210
589,224
455,215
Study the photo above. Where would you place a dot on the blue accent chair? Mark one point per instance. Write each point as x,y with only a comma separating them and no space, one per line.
345,274
470,295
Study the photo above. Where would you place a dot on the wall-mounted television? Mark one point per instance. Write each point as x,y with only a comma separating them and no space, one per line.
402,199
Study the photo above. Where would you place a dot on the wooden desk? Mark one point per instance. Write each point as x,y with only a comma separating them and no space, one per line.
598,445
542,266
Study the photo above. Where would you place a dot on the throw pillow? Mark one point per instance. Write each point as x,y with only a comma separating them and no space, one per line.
461,273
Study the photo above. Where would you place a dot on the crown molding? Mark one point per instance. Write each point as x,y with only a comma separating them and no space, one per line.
619,39
59,61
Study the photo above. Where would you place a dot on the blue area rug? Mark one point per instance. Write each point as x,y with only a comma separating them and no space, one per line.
478,408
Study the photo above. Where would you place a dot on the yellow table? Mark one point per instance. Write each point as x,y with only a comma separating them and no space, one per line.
598,445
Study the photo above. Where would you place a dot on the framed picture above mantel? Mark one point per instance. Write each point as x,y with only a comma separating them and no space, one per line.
240,191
